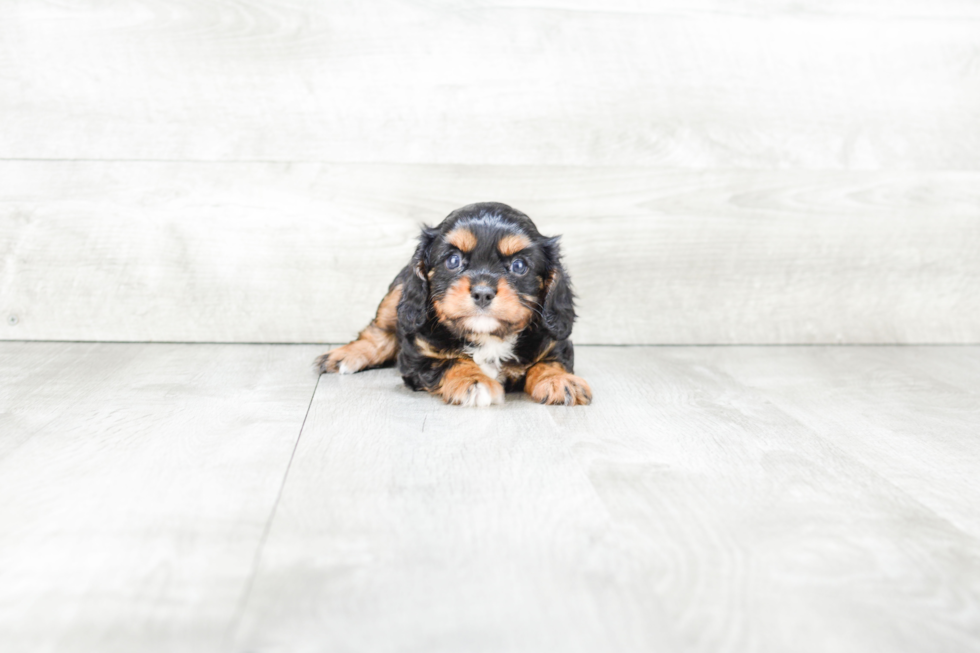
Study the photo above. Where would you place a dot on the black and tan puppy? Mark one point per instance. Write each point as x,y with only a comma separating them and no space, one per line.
483,306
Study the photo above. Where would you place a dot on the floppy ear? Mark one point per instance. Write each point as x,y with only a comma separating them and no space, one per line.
413,307
558,306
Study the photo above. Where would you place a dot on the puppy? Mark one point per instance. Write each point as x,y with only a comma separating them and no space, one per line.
484,306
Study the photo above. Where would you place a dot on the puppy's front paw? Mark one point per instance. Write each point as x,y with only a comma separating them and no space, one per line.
343,360
465,384
562,389
480,393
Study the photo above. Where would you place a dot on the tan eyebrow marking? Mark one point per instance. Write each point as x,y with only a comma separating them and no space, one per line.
512,243
462,239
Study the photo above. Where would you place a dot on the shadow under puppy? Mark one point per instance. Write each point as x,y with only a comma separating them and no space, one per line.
483,306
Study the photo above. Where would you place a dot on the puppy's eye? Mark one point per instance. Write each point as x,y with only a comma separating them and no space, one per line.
453,262
518,266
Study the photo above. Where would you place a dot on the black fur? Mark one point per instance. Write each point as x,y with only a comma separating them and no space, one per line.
558,312
486,296
413,308
547,281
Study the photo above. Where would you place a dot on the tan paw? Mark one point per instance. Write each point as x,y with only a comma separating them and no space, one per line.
562,389
465,384
343,360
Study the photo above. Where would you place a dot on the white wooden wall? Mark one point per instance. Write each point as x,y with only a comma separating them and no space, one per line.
723,172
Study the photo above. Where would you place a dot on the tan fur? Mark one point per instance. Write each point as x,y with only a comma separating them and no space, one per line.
513,371
507,307
552,278
387,316
376,345
549,383
547,350
428,351
456,303
462,239
461,380
512,243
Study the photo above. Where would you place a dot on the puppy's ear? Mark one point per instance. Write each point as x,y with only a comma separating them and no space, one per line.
413,307
558,306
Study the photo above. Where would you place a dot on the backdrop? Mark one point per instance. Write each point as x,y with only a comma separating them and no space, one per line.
722,172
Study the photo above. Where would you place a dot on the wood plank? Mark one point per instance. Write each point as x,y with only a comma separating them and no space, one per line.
881,9
253,252
712,520
757,531
910,413
409,525
752,84
136,482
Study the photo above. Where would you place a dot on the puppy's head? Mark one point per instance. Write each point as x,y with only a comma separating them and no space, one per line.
487,270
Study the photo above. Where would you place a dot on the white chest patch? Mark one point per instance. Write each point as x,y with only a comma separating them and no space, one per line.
489,352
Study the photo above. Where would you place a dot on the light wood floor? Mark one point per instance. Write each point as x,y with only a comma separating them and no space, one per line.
221,498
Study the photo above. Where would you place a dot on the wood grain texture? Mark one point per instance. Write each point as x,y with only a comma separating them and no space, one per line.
752,498
865,85
253,252
684,510
136,482
908,414
768,537
410,525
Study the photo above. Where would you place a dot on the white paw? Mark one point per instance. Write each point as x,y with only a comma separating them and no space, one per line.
480,395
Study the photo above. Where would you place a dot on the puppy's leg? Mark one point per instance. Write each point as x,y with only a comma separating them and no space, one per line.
376,345
465,384
550,383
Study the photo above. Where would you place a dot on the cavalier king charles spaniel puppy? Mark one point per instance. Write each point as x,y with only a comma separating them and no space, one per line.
484,306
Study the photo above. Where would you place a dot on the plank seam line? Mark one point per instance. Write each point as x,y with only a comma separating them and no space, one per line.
762,395
973,169
243,600
577,344
869,471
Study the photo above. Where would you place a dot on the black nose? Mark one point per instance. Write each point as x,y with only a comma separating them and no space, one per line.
483,295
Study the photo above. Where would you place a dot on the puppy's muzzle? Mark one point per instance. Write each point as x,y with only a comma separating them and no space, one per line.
483,294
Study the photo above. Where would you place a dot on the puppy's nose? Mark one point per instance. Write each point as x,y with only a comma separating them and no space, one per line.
483,295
